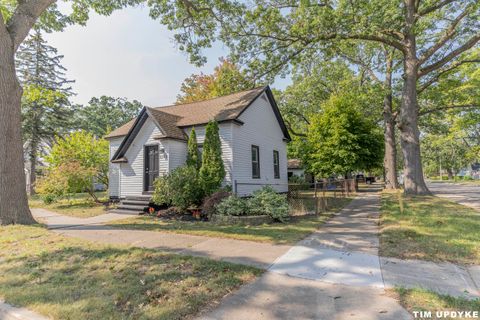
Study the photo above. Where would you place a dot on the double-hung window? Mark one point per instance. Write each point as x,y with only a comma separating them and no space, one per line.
276,164
255,162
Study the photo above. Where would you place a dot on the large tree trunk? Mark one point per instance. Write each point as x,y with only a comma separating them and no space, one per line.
13,196
414,182
390,158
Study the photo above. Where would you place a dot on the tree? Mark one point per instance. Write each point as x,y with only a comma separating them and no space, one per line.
46,109
430,36
212,171
83,148
66,178
227,78
193,159
104,114
342,139
17,18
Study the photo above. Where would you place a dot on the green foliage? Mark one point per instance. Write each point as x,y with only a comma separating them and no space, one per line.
342,140
193,158
212,171
227,78
180,188
210,202
267,201
82,147
233,206
66,178
104,114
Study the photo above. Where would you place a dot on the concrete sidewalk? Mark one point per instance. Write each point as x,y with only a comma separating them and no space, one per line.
276,296
257,254
9,312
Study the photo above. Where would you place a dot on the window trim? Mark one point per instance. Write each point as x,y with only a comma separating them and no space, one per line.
276,166
257,148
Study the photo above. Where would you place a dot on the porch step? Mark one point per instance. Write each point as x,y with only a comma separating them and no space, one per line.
125,212
136,202
137,208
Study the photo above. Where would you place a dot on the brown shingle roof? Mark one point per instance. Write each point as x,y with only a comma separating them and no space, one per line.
167,123
294,164
121,131
170,118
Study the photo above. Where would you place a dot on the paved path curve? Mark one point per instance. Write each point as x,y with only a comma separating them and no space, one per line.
466,194
257,254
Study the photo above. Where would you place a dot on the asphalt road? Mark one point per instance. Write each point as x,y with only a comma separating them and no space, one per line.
466,194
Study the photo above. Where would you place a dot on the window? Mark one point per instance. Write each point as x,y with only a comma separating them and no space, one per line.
255,162
276,165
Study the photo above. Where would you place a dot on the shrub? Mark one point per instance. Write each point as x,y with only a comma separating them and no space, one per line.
212,171
232,206
268,201
180,188
66,178
49,198
212,201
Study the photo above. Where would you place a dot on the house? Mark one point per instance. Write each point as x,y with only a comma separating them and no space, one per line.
252,133
295,169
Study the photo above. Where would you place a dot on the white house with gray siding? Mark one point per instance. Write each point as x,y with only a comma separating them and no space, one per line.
252,133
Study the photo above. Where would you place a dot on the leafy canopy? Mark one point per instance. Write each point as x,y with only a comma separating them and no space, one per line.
82,147
342,140
227,78
103,114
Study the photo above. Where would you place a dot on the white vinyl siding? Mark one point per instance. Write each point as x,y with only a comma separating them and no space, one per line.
114,169
177,151
262,129
132,173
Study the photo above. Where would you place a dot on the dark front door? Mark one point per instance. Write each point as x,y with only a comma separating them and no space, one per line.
151,167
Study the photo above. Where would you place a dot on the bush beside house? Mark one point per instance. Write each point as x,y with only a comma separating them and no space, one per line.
186,187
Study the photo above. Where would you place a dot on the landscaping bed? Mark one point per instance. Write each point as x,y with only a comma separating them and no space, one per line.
290,232
429,228
241,220
65,278
80,205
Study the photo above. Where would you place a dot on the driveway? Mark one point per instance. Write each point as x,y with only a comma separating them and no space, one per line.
466,194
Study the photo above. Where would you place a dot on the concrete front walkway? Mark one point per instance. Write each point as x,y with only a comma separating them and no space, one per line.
9,312
256,254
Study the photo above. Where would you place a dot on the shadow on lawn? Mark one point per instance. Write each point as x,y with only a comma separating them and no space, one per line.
77,282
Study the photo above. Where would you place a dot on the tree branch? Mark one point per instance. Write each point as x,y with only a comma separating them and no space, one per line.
289,127
24,17
434,79
362,64
449,33
449,57
433,8
461,106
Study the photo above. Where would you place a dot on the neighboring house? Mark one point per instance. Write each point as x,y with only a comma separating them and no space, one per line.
295,168
252,133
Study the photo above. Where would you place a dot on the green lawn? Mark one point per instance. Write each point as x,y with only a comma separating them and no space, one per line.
80,205
64,278
429,228
423,300
280,233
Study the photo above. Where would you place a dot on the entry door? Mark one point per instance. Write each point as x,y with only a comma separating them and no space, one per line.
151,167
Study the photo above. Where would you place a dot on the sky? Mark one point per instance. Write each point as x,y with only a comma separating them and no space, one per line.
127,55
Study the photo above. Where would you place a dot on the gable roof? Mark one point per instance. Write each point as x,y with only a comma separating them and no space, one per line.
171,119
